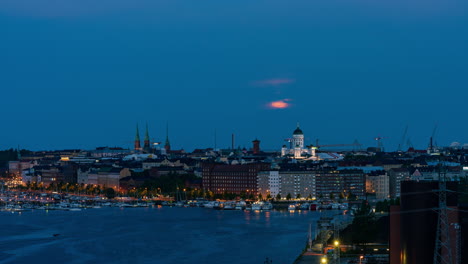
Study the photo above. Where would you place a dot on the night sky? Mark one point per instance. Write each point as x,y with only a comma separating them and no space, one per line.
82,74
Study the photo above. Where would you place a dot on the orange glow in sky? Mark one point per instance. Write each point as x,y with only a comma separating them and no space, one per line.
281,104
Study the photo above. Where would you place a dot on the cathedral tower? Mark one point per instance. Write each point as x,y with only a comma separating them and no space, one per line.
146,144
137,139
167,145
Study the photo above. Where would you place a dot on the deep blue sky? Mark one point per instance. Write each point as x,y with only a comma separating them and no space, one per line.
81,74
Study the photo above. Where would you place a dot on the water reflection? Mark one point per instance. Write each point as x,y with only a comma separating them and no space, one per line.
205,234
247,216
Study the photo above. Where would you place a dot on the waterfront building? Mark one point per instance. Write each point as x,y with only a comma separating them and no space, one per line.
82,175
239,178
313,183
107,176
69,171
297,183
268,182
16,167
336,182
29,176
49,174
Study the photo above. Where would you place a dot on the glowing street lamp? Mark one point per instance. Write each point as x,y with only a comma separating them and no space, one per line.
337,251
324,260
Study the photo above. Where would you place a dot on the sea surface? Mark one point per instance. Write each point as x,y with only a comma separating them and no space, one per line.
162,235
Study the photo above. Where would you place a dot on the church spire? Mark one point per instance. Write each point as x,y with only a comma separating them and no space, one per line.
146,144
147,134
167,146
137,139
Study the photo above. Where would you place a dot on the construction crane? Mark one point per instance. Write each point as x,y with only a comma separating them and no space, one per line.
354,144
402,142
379,143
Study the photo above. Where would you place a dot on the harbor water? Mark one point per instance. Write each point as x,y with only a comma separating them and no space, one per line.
162,235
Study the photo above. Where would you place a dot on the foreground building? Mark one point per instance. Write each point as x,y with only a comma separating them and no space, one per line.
413,224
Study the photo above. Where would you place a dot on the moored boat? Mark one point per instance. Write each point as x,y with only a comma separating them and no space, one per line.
267,206
257,206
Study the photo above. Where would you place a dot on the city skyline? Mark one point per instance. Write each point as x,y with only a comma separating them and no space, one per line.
82,75
225,141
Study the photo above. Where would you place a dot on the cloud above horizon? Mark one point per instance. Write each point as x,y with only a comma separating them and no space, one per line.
275,82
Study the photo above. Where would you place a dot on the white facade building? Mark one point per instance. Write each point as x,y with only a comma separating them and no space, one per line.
379,185
294,183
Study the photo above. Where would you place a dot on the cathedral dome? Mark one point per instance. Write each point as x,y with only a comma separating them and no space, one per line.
298,131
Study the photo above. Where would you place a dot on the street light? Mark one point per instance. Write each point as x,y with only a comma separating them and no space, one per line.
360,259
324,260
337,251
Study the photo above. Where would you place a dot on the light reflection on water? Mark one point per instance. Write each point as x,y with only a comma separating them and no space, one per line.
141,235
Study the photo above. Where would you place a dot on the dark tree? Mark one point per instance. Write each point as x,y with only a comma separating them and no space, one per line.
109,193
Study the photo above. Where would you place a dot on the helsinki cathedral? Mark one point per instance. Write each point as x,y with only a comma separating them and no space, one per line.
296,147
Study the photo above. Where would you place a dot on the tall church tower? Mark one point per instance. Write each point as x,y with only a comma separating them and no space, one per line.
167,145
137,139
146,144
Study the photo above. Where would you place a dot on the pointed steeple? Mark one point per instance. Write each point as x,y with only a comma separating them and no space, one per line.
147,134
167,145
146,144
137,139
137,136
